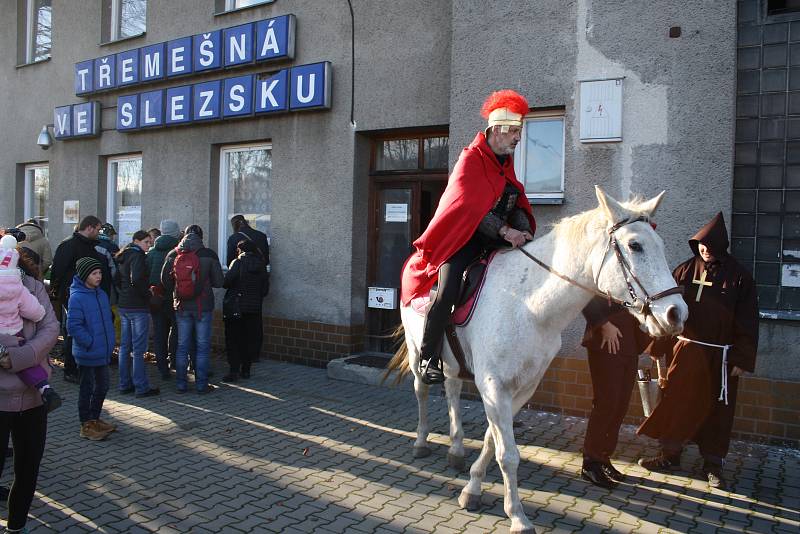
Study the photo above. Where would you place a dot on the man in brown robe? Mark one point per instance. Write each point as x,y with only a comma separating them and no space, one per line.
718,345
613,341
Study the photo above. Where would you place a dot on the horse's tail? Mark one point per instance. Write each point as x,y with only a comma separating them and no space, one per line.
399,361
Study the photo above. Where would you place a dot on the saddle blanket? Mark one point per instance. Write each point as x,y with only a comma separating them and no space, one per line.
471,287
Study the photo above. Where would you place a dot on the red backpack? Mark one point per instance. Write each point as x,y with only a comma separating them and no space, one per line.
186,271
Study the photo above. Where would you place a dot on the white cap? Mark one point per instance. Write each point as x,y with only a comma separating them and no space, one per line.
9,257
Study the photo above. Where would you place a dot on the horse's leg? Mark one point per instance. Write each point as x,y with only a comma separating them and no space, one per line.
500,413
470,497
455,455
421,449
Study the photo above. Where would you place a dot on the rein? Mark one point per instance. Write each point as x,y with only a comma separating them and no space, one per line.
644,306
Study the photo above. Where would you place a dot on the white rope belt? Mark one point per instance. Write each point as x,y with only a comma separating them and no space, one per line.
723,392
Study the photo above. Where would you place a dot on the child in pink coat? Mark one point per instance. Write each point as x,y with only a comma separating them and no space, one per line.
16,304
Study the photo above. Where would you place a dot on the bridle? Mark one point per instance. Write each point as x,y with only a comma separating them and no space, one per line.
640,305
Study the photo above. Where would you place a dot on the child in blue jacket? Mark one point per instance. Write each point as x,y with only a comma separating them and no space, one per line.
90,324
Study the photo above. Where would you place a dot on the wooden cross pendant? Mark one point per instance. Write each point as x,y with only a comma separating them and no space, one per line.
702,283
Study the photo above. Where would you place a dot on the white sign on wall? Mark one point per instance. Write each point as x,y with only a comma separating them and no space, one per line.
396,213
72,212
384,298
601,111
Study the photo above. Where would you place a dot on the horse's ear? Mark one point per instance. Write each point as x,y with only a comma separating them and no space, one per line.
651,205
614,211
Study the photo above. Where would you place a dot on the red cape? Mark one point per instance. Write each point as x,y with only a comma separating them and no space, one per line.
475,185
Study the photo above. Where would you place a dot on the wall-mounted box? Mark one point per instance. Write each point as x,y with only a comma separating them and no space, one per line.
601,110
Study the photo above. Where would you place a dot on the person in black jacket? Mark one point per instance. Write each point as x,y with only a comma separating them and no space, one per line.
614,341
134,314
81,244
247,282
243,230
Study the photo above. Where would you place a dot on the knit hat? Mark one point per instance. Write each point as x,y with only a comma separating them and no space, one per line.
107,229
8,254
170,228
85,266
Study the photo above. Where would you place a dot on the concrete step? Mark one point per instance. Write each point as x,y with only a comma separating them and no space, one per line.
367,368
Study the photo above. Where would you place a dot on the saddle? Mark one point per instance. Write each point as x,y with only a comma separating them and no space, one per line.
469,293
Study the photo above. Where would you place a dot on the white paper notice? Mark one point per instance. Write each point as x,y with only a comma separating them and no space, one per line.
396,212
791,275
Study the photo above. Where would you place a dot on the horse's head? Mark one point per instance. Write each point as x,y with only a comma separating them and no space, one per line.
630,265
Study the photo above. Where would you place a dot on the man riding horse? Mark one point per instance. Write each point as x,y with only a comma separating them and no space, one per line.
483,208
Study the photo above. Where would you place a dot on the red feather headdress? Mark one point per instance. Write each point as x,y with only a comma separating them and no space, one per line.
511,100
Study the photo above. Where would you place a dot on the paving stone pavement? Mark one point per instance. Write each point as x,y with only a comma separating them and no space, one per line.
292,451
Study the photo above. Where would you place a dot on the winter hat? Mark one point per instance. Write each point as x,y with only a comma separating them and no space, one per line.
107,229
85,266
8,254
170,228
194,229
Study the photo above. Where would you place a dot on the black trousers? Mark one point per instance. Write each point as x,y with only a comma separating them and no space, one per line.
28,431
450,274
613,377
70,366
243,339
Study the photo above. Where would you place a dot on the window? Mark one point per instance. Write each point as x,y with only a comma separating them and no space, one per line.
34,30
37,192
123,19
230,5
539,157
245,187
778,7
412,154
124,199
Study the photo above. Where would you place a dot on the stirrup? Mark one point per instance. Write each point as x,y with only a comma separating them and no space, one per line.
429,372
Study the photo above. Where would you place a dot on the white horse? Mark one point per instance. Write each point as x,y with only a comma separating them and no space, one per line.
515,331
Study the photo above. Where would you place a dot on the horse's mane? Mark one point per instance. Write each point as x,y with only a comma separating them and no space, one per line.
575,228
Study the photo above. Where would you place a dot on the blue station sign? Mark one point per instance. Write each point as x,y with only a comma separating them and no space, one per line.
296,88
245,44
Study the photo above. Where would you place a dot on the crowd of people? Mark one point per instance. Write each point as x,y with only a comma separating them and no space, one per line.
108,297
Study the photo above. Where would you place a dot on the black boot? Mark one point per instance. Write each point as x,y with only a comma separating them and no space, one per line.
593,472
430,370
611,472
233,376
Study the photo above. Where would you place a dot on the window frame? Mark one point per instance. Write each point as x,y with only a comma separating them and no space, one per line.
520,159
111,186
30,176
222,208
115,20
30,34
224,7
420,138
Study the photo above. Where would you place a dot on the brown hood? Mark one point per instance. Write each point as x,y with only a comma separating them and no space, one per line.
714,235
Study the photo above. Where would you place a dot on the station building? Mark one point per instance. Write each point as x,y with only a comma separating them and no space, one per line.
332,126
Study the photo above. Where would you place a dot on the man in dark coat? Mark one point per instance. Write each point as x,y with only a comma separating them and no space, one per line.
719,344
483,207
81,244
243,230
613,341
247,282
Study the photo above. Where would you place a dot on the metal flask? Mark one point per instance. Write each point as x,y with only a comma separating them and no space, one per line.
651,395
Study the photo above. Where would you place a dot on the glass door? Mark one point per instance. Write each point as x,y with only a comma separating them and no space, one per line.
401,211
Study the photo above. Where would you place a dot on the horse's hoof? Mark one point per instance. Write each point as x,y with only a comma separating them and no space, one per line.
469,502
524,530
422,452
456,462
